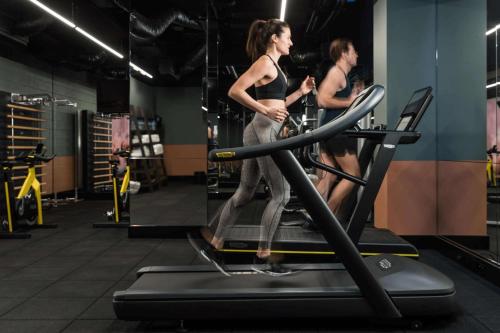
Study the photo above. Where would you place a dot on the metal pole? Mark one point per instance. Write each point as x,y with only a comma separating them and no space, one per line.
53,123
77,151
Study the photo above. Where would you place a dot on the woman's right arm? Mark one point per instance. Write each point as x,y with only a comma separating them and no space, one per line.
257,71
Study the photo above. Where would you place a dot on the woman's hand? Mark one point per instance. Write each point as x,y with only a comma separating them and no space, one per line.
307,85
277,113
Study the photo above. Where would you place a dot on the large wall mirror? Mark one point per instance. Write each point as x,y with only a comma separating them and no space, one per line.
469,150
62,85
167,128
313,25
493,125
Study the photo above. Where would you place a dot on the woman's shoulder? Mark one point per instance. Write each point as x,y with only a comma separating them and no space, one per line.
334,70
264,60
263,63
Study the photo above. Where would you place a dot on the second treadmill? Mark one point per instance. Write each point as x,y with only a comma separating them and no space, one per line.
308,245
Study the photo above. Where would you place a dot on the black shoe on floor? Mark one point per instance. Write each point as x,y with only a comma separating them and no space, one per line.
207,251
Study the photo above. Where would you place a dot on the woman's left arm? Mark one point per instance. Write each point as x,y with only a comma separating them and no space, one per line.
306,86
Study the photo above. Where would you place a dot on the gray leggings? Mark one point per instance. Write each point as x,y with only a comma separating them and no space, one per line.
260,130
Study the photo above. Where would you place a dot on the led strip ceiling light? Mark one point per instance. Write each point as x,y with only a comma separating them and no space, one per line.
489,32
140,70
493,85
89,36
492,30
283,9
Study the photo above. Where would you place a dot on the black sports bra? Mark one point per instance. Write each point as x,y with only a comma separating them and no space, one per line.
276,89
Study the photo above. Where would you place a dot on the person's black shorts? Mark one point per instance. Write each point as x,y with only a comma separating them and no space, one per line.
339,145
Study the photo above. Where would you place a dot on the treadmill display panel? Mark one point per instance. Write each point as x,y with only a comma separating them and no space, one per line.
414,109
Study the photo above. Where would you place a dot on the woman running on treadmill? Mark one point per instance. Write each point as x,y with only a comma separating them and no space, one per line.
335,94
267,42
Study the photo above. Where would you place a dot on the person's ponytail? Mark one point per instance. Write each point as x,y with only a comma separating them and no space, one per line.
259,35
256,46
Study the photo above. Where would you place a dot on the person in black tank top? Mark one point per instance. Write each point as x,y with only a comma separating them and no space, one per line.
335,94
267,41
276,89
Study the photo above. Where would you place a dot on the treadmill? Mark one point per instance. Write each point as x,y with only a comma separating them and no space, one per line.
383,286
302,244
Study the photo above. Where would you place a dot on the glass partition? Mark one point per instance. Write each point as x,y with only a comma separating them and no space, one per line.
52,80
474,211
313,27
168,132
492,144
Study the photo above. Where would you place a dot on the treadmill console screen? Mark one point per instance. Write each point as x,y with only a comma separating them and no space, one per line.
414,109
415,102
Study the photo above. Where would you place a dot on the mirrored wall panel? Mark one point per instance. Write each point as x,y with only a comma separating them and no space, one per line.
167,125
492,140
61,84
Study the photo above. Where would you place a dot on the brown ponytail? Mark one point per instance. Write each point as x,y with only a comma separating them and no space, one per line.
259,36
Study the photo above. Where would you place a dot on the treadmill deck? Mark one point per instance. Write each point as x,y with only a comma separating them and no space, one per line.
416,289
300,241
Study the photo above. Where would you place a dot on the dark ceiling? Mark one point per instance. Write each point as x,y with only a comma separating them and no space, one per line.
169,36
169,40
177,56
32,36
314,23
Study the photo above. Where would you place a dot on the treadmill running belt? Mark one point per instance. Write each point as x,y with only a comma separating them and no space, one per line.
292,239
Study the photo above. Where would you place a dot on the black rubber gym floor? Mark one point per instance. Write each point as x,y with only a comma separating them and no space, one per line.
184,203
62,280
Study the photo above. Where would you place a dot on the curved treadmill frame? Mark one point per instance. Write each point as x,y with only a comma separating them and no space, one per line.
302,244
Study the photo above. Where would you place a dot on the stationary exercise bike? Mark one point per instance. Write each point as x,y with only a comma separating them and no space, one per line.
490,168
118,215
25,210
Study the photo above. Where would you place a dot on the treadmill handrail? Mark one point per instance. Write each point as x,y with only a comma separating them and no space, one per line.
372,96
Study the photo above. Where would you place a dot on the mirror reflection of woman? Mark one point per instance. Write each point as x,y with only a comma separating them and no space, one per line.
267,42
